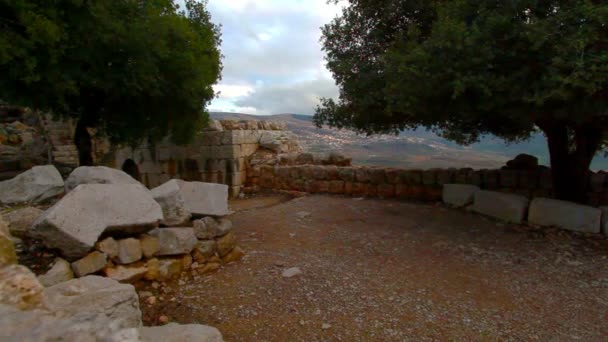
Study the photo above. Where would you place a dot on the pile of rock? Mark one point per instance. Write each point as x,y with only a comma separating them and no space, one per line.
246,125
108,223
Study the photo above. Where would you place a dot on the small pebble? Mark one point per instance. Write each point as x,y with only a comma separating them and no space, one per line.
163,319
325,326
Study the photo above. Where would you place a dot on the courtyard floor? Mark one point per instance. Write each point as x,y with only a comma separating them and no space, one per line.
379,270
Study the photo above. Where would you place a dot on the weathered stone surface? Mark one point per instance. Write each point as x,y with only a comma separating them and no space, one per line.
205,199
235,254
203,250
566,215
98,175
4,226
20,288
291,272
149,245
210,267
7,248
506,207
76,222
173,241
60,272
170,198
153,272
90,264
205,228
109,247
20,221
459,195
226,243
36,185
126,274
39,325
98,295
169,268
174,332
129,251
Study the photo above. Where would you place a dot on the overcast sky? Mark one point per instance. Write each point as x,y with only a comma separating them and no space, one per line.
273,60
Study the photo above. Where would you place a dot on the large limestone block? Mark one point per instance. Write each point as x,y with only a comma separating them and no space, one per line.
459,195
40,325
36,185
170,198
174,332
173,241
95,294
505,207
76,222
98,175
129,251
20,221
566,215
90,264
205,199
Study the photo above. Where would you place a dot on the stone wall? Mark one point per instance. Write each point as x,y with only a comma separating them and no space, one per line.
297,174
219,154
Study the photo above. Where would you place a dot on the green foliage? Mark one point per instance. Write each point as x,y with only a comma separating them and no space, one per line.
132,68
467,68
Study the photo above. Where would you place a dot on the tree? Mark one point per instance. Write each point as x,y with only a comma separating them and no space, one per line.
132,69
468,68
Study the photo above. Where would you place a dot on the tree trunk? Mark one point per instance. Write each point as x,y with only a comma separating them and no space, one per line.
571,148
82,140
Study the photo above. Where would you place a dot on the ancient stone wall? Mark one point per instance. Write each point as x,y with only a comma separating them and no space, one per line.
296,173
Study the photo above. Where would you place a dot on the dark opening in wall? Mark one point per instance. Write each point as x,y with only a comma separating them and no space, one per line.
131,168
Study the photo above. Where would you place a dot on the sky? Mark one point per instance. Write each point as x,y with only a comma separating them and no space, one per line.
273,61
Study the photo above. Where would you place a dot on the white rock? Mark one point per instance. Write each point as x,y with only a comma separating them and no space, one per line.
173,241
92,263
291,272
20,221
60,272
129,251
205,199
170,198
98,175
75,223
506,207
174,332
94,294
36,185
205,228
566,215
459,195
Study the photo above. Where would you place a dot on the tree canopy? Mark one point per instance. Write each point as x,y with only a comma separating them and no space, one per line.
133,69
467,68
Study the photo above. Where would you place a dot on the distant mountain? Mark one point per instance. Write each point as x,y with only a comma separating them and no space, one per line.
411,149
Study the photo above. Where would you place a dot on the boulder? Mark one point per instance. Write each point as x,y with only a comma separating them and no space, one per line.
98,295
60,272
98,175
20,221
36,185
129,251
204,199
205,228
565,215
234,255
459,195
170,198
20,288
149,245
173,241
505,207
203,250
109,247
174,332
41,325
226,243
90,264
75,223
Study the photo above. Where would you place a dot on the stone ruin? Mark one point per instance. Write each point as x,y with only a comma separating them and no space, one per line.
102,222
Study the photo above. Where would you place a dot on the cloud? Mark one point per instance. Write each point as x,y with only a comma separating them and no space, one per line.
273,59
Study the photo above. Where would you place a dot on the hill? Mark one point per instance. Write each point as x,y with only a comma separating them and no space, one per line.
412,149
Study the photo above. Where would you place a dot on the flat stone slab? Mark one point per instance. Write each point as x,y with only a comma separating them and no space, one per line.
174,241
565,215
459,195
174,332
75,223
205,199
506,207
98,175
35,185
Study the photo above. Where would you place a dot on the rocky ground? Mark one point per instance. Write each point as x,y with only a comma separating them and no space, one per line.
374,270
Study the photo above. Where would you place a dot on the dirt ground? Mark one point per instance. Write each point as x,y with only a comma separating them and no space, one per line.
378,270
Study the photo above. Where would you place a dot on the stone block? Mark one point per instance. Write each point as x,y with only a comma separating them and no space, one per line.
362,175
129,251
170,199
459,195
149,245
126,274
371,190
94,262
336,187
204,199
20,221
174,241
248,149
377,176
346,174
234,255
60,272
319,173
204,250
332,172
505,207
565,215
20,288
305,158
226,243
35,185
98,175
